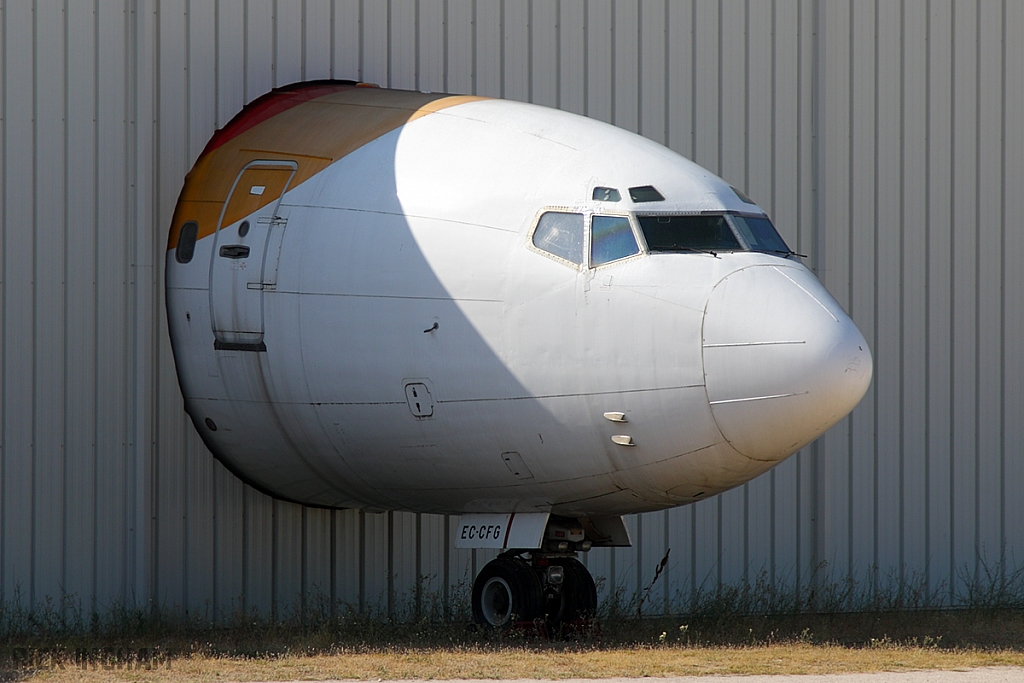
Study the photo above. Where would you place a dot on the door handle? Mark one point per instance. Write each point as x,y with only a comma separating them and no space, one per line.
234,251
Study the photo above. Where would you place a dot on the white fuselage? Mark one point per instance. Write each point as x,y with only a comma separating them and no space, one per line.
422,354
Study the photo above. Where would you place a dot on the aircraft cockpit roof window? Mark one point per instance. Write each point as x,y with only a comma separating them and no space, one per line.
645,193
742,195
693,232
606,194
561,234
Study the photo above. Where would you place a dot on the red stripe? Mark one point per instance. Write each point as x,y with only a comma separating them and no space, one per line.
508,530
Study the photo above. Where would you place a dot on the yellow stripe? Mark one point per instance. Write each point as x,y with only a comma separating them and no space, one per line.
314,134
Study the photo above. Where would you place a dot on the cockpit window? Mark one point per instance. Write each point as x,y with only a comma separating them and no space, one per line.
611,239
700,232
645,193
742,195
759,233
560,233
606,194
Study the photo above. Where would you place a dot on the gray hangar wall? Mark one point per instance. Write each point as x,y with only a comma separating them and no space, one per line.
884,137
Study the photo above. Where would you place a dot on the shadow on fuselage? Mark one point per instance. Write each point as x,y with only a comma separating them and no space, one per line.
360,321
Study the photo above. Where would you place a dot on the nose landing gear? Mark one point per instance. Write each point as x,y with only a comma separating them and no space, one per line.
556,591
538,579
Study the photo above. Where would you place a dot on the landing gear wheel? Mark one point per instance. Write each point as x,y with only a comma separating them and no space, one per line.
506,591
577,600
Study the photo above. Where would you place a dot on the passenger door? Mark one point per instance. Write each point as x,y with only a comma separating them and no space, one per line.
245,253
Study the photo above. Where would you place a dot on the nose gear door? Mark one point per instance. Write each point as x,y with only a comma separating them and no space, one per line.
246,250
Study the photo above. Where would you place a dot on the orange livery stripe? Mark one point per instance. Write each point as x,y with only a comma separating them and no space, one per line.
313,126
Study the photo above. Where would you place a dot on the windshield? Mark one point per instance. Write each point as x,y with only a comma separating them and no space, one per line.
611,239
759,233
712,233
698,232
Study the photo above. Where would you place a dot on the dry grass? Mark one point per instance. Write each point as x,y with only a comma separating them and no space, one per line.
625,647
750,629
521,662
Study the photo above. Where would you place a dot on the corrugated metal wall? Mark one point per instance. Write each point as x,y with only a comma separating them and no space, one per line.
884,137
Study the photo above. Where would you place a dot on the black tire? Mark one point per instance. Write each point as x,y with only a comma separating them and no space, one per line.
506,591
577,601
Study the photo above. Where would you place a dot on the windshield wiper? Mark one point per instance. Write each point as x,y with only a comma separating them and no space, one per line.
678,247
788,253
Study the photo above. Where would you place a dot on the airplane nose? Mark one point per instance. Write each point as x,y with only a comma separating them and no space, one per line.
782,360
